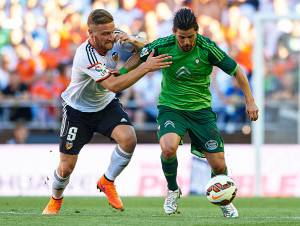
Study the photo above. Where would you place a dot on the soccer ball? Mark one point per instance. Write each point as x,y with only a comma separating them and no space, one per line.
221,190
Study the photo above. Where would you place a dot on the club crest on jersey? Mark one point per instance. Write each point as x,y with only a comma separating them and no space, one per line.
115,56
144,52
211,145
69,145
197,61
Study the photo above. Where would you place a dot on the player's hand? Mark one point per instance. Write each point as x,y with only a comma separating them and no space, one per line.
114,72
121,36
154,63
252,111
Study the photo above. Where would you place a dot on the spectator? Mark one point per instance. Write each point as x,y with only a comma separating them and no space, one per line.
127,13
20,134
17,94
38,35
286,90
4,75
164,19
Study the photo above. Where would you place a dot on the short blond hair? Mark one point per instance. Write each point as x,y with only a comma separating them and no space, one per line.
99,16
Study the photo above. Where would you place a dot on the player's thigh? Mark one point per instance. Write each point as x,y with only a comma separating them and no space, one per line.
171,128
111,117
204,134
75,130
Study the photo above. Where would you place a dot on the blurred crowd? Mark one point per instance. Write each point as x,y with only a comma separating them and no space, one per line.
38,39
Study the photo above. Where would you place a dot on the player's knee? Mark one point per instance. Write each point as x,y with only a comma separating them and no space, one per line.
128,142
168,150
219,169
65,170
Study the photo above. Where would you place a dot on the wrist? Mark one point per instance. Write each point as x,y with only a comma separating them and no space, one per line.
249,99
123,70
145,68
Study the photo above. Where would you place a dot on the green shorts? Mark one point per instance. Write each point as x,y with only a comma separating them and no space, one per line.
200,125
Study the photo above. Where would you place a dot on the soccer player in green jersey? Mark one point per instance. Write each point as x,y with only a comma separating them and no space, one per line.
185,100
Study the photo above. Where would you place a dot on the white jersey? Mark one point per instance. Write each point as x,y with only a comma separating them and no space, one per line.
84,92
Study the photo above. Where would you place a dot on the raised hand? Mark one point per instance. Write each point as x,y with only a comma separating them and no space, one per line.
154,63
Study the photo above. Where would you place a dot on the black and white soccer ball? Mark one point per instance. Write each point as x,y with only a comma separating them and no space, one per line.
221,190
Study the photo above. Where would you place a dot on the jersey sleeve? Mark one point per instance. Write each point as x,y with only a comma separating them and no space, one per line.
219,58
145,52
87,62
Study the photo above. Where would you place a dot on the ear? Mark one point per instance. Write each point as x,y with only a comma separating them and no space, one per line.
174,30
90,31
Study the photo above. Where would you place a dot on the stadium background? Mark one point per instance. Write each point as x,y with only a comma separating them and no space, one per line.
37,43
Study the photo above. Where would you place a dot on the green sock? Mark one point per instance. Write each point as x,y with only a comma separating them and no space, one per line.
169,167
214,174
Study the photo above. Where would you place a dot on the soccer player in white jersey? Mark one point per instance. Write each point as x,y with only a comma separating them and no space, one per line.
90,105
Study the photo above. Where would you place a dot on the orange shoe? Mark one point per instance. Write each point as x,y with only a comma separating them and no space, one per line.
53,206
109,190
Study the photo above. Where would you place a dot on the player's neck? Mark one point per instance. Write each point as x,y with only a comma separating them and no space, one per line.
99,50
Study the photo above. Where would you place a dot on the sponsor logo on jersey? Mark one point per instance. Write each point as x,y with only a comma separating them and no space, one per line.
144,52
169,123
100,68
183,71
211,145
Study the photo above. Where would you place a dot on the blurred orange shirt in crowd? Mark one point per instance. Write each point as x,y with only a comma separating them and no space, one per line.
146,5
41,91
26,70
60,84
244,57
51,58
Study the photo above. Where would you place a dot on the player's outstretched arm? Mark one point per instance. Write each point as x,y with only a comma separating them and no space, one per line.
251,108
153,63
132,62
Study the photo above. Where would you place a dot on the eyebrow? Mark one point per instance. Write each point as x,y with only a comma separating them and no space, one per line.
187,36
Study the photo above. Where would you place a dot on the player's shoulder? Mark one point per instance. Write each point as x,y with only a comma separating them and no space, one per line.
163,42
86,55
205,42
210,47
160,45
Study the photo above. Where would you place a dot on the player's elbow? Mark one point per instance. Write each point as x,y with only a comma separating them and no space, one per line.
113,84
114,87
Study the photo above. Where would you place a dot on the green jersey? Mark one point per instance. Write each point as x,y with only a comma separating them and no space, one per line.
185,84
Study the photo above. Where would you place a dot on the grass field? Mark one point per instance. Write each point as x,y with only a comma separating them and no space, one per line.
91,211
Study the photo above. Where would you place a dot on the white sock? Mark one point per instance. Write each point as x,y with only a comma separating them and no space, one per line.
59,184
119,160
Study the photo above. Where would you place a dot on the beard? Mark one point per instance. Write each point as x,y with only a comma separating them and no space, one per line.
187,48
104,47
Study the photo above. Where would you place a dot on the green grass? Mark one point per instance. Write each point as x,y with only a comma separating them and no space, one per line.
15,211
